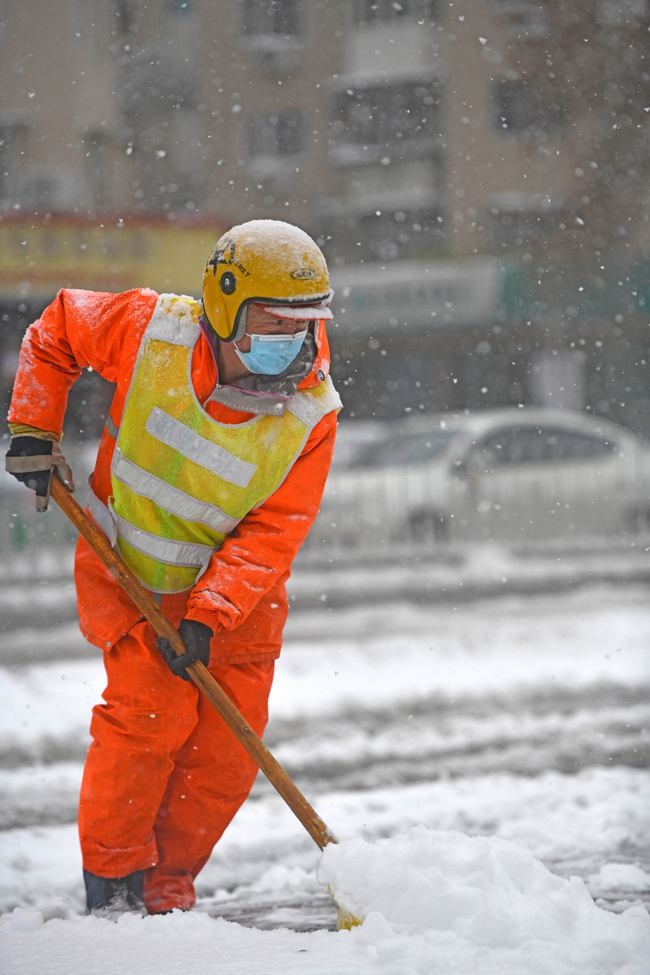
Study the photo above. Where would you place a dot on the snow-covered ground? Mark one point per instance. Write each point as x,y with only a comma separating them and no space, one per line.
471,757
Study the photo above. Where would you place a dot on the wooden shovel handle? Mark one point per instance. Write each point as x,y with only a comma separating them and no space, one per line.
199,674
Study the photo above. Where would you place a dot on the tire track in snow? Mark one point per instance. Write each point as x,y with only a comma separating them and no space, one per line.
374,749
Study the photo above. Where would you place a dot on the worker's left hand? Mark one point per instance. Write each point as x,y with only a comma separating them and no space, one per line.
196,637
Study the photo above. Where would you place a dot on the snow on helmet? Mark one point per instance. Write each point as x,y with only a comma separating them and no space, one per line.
268,262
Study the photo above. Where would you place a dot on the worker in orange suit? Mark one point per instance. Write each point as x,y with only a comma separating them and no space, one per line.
209,474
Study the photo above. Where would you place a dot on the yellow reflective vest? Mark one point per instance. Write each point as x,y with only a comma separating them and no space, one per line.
181,480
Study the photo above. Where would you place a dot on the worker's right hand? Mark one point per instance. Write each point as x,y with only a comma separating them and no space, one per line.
196,637
32,461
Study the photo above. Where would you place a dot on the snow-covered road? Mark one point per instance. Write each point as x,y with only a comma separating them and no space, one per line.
522,717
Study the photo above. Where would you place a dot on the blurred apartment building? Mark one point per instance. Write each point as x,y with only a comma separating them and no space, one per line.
422,142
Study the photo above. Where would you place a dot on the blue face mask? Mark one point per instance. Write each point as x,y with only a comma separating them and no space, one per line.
271,354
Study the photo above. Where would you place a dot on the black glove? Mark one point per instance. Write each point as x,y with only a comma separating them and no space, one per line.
196,637
32,461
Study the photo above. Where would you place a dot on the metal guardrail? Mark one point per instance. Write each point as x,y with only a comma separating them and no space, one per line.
378,513
371,509
24,532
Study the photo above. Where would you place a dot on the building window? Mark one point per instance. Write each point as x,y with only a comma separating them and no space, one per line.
275,134
403,234
525,19
395,235
13,141
99,169
367,13
387,113
520,110
6,162
280,17
513,229
621,13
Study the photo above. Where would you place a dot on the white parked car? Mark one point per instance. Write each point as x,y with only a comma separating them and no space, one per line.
505,474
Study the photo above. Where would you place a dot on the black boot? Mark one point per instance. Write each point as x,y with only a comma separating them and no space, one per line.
110,896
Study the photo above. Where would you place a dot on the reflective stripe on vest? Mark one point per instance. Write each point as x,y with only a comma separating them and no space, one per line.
181,480
170,498
192,445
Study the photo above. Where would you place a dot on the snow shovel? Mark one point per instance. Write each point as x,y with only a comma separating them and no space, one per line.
201,676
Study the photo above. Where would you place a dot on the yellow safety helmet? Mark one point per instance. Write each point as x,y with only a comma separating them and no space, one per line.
268,262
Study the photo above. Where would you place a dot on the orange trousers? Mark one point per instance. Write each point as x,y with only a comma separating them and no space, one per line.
164,776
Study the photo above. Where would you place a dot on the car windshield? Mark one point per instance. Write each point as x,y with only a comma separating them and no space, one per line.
401,449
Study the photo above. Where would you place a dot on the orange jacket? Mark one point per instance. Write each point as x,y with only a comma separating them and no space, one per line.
241,596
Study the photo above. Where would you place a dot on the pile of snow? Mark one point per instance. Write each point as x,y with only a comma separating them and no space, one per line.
458,897
433,901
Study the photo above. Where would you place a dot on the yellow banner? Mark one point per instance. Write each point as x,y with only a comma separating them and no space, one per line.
40,255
